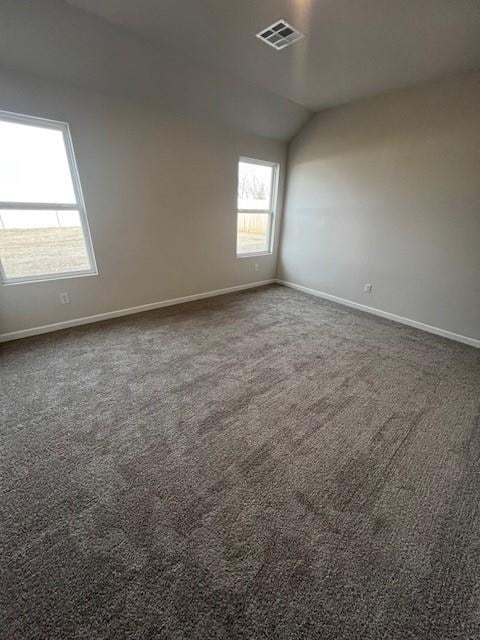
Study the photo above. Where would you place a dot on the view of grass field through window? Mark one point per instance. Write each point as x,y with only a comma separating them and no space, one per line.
37,242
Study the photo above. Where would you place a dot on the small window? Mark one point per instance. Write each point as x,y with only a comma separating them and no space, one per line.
257,187
43,224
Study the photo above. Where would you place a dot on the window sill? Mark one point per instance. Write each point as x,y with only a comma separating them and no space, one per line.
254,255
62,276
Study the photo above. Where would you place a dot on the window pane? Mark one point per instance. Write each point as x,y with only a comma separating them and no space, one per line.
253,232
35,243
254,186
33,165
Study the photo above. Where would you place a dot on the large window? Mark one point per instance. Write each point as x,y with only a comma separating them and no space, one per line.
257,190
43,225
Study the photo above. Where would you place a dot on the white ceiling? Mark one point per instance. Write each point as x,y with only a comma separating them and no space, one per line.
353,48
57,41
201,57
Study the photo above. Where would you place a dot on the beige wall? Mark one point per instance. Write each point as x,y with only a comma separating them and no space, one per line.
387,191
160,191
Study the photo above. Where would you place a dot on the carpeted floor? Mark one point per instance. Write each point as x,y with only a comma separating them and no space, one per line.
263,465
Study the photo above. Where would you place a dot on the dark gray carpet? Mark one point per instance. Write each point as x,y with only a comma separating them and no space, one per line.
264,465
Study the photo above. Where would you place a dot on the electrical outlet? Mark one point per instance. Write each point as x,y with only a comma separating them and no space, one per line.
257,266
64,298
368,288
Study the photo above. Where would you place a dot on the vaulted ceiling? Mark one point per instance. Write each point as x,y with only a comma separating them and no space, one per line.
352,48
54,40
202,56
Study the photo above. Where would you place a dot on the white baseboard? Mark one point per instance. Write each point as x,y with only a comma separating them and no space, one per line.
473,342
75,322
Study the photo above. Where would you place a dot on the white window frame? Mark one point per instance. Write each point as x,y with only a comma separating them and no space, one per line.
270,210
79,205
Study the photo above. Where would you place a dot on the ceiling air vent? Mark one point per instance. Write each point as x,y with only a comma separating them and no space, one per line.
280,34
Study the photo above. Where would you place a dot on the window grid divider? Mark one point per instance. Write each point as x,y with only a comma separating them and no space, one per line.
40,206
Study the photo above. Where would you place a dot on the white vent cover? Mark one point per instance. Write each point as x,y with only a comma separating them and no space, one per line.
280,34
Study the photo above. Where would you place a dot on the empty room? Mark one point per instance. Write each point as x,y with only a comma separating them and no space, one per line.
239,320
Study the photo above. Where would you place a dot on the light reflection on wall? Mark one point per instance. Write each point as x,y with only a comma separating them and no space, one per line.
302,12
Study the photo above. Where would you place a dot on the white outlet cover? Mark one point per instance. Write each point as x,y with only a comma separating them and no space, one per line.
64,298
368,288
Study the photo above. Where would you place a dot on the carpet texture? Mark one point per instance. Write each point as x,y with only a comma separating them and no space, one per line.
262,465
